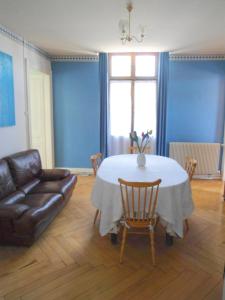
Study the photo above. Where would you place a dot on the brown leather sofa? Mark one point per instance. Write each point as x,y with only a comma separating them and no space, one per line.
30,197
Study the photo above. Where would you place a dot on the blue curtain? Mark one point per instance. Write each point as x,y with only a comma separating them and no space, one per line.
163,75
103,78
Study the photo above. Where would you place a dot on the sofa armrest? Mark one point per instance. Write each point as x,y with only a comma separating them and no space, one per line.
53,174
13,211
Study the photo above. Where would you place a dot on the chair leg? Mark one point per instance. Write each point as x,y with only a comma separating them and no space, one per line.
186,225
123,243
157,222
96,216
152,242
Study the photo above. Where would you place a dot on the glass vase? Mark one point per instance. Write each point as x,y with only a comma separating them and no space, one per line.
141,160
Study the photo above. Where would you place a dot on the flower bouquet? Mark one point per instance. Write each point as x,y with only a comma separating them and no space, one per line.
141,144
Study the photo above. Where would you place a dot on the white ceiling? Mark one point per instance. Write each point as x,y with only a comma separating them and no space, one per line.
89,26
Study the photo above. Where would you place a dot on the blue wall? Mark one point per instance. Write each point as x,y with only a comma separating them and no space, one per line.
196,107
196,101
76,112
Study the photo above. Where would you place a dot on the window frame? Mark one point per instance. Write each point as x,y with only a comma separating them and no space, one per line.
132,78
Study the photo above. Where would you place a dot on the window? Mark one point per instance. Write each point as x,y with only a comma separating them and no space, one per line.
132,93
120,110
120,65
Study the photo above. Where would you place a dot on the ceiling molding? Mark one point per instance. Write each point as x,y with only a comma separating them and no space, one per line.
36,49
20,40
94,58
75,58
185,57
11,35
173,57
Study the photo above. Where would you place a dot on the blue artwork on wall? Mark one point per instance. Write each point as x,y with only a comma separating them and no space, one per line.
7,106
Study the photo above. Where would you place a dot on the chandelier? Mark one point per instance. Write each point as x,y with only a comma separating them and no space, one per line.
126,35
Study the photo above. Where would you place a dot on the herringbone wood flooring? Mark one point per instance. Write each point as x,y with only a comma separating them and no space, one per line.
71,260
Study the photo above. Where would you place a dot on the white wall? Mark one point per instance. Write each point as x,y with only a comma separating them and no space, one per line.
15,138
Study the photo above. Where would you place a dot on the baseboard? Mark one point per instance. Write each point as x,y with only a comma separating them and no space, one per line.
89,171
208,177
81,171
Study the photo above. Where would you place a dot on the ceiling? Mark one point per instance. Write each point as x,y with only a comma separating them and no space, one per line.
70,27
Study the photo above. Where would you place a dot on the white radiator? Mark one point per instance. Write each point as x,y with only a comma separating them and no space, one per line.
206,154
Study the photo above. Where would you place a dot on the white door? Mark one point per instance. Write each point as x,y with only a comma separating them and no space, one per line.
40,116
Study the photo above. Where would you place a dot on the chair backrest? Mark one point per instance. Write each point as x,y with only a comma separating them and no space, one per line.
96,160
139,200
134,150
190,166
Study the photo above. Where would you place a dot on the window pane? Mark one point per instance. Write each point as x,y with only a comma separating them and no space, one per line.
145,106
120,65
145,65
120,108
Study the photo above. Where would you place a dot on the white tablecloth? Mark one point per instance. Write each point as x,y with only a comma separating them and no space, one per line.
174,200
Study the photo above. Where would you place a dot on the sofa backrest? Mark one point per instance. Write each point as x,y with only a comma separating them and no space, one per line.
24,166
7,185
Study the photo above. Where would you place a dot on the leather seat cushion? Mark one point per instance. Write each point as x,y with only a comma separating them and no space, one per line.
29,186
58,186
53,174
7,186
43,208
41,200
13,198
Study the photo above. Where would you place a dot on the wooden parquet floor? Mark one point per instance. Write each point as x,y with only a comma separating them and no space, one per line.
71,260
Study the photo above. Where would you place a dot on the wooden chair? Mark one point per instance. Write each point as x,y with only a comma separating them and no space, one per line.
96,160
139,200
134,150
190,167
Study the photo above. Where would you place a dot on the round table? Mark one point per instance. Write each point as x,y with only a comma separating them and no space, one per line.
174,199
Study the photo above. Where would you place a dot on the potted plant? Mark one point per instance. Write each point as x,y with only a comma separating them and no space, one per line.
141,144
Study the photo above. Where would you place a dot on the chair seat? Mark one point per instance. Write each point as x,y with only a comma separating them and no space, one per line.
139,223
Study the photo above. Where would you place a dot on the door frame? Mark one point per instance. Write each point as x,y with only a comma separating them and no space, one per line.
28,69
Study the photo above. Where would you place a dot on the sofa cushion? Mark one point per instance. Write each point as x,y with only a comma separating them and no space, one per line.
25,166
43,208
41,200
58,186
53,174
13,198
29,186
13,211
6,182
